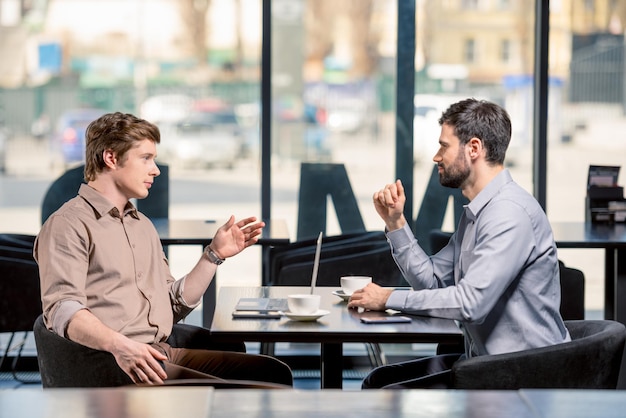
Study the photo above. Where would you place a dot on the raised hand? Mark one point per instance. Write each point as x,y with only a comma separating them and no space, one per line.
233,237
389,203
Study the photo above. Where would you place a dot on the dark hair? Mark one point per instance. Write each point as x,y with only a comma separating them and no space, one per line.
484,120
117,132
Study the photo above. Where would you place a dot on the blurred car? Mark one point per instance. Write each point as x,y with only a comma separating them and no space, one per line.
248,117
346,115
68,138
206,138
166,109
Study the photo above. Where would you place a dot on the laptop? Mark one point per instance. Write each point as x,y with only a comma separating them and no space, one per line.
264,305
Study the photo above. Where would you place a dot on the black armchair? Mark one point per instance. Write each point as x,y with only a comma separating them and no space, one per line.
591,360
20,301
572,293
24,241
365,253
65,363
156,205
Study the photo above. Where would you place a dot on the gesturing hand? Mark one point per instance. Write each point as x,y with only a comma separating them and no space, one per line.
389,203
233,237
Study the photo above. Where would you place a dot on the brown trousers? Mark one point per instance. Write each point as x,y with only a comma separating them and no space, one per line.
184,363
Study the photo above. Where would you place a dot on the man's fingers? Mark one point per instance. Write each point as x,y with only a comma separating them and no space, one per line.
390,198
150,373
154,365
147,377
400,187
248,222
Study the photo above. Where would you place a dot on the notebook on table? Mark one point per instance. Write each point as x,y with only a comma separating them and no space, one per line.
263,305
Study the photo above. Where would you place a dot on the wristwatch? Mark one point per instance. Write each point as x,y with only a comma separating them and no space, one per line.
213,258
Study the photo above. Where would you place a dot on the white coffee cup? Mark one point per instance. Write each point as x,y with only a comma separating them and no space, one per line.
351,283
303,304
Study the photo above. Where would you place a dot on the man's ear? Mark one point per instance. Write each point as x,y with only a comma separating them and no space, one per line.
475,146
110,158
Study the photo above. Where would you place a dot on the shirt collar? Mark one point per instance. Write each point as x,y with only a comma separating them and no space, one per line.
480,201
102,205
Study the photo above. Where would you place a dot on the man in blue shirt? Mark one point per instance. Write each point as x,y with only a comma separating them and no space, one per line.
498,276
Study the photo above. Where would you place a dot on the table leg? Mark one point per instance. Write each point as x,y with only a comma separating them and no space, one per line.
265,265
609,283
331,357
620,285
208,304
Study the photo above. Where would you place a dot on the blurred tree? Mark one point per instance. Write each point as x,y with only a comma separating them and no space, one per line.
342,29
193,14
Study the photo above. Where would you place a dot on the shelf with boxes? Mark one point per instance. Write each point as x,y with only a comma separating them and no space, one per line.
605,201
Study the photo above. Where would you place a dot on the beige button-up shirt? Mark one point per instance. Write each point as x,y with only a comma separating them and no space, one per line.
91,257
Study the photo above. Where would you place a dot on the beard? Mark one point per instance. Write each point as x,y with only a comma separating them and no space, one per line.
455,174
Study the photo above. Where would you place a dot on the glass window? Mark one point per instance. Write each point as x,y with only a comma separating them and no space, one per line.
333,67
192,67
586,114
464,57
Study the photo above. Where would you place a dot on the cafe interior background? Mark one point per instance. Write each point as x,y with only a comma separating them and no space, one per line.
351,86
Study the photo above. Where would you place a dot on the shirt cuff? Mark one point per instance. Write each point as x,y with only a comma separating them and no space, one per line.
63,314
397,300
402,237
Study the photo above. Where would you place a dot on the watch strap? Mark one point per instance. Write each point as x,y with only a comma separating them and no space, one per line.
212,256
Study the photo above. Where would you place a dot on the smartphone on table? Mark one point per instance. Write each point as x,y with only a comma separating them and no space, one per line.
388,319
257,314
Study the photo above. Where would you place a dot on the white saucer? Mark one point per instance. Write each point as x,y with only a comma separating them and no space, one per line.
341,294
306,317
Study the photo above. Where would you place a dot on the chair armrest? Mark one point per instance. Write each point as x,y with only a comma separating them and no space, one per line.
590,361
191,336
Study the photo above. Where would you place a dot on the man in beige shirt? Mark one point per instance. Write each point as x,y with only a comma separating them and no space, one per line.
105,280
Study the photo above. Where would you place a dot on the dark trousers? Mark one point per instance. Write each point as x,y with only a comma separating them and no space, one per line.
184,363
424,373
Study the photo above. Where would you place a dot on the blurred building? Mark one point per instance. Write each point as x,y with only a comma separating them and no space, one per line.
483,41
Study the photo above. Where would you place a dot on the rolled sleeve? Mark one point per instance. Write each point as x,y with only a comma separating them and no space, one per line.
180,307
63,314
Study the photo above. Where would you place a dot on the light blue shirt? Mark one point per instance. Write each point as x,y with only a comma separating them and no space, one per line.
498,276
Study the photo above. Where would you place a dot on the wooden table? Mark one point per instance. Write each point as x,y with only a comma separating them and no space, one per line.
341,325
611,238
202,402
200,232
